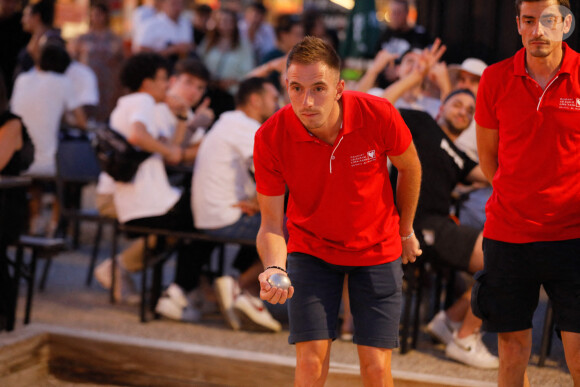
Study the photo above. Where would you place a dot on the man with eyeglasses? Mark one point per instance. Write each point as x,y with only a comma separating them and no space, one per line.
528,109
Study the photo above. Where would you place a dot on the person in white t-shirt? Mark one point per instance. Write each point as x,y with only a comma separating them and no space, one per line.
142,14
41,96
168,33
224,199
176,123
85,85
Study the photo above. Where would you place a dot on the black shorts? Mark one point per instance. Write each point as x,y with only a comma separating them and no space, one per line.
375,300
507,290
453,243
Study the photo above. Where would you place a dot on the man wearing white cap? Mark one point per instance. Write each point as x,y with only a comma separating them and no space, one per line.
467,76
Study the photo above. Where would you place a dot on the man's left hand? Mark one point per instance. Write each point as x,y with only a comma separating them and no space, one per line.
411,250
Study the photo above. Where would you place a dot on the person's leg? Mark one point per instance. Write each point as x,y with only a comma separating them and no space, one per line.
312,363
313,315
376,296
375,366
571,342
514,353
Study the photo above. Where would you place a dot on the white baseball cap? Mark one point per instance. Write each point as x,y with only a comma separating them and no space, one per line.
471,65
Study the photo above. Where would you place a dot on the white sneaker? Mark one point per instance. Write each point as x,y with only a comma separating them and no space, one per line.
167,307
471,351
252,311
175,292
124,286
227,290
441,328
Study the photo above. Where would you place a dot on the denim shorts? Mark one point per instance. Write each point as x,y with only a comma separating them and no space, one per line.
375,300
507,290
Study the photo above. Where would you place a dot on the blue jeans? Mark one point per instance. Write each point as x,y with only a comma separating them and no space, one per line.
245,228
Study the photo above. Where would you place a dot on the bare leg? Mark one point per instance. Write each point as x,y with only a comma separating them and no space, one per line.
375,366
470,324
347,324
458,310
572,351
514,353
312,363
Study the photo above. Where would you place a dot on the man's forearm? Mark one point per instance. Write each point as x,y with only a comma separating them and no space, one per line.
271,248
408,188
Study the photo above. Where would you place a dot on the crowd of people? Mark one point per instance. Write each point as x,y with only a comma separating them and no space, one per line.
205,90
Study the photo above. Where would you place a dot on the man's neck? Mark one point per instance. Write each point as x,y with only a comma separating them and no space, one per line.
542,70
251,113
452,134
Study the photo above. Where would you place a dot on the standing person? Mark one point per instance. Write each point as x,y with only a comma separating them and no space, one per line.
528,135
330,148
102,50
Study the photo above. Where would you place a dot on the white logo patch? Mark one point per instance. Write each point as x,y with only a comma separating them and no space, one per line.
363,158
570,104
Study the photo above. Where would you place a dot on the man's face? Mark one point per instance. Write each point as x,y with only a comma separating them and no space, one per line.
468,81
173,8
158,85
269,101
399,13
542,26
458,111
313,90
188,87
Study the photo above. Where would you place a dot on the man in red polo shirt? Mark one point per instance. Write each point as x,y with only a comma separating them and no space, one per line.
528,109
329,147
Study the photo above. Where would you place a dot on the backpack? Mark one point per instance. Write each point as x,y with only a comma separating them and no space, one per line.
116,155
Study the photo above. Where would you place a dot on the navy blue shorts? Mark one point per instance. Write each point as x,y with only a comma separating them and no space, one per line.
375,300
507,290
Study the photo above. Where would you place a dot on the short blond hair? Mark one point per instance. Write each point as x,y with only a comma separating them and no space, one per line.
313,50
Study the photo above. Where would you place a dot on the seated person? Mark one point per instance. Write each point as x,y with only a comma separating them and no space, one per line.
173,124
16,155
41,96
224,197
444,165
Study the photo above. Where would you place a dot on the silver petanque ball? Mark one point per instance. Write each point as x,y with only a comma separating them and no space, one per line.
279,281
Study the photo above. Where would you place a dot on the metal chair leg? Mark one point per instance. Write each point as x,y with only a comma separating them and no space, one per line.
94,254
30,291
44,277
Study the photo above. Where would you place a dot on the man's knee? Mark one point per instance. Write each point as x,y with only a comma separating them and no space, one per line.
312,360
515,347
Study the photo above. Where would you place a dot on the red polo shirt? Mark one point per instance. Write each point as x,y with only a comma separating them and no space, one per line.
340,207
536,189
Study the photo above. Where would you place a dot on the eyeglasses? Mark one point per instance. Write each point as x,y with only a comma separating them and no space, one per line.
548,21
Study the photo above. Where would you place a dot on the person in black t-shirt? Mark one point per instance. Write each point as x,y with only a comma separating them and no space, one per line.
444,165
399,37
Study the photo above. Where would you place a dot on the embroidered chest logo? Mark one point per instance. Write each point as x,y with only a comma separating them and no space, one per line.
570,104
363,158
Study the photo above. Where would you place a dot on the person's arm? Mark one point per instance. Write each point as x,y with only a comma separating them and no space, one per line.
408,188
272,247
10,141
80,118
382,59
477,176
262,71
139,136
487,148
400,87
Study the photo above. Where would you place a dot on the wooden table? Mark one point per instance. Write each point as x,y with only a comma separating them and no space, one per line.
7,287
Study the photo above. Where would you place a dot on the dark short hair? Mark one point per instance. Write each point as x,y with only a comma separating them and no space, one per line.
313,50
203,9
247,87
456,92
285,23
45,10
564,3
53,57
403,2
258,6
103,8
140,67
193,67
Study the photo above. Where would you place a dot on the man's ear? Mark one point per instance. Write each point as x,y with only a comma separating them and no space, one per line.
568,19
518,25
340,89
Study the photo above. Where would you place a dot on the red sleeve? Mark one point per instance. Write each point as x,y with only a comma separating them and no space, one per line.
269,180
485,114
397,136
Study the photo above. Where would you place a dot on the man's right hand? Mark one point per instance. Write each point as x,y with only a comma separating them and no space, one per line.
271,294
